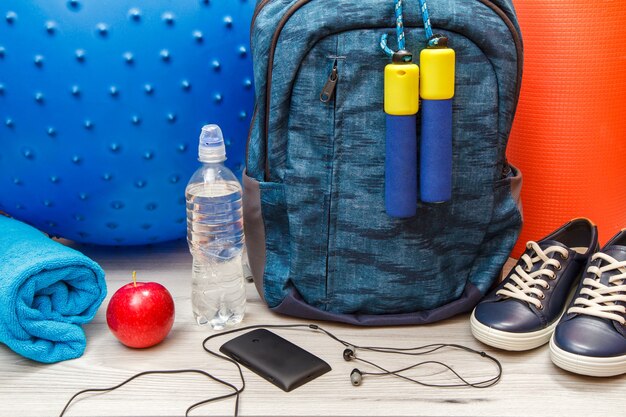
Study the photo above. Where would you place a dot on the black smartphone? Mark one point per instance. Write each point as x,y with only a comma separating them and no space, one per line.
277,360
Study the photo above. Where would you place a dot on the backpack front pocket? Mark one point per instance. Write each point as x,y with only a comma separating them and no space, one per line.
347,255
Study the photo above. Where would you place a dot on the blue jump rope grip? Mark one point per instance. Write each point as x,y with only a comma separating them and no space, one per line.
401,166
436,151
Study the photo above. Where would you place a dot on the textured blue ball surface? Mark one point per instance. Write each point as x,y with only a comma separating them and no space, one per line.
101,106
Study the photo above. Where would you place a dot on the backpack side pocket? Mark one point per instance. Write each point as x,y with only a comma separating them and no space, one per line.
503,230
267,237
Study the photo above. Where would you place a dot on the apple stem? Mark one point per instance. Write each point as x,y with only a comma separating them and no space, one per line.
135,278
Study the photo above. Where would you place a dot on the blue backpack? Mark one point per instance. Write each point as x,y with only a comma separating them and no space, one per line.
320,243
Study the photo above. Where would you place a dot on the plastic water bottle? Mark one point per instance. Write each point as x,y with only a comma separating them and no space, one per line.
215,236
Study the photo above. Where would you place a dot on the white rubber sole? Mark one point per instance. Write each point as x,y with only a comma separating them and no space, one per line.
511,341
587,365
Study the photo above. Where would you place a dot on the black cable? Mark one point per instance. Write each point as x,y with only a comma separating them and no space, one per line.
422,350
481,384
426,349
177,371
432,348
400,351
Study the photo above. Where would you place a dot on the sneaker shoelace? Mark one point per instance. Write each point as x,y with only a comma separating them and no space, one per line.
603,299
524,284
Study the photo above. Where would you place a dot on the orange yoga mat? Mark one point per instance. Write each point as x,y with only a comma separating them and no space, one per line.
569,135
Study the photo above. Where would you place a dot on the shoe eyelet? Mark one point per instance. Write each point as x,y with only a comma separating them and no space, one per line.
558,267
529,245
565,257
540,307
547,288
542,296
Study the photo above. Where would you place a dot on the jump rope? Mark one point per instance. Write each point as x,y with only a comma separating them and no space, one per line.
405,85
349,354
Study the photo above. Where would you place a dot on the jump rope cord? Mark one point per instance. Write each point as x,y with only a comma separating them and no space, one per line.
399,31
428,30
421,350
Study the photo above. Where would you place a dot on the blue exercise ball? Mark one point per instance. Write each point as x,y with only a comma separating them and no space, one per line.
101,106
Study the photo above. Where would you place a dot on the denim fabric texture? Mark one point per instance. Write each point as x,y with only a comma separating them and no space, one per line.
328,238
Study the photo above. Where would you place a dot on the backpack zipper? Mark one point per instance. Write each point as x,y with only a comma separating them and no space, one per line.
259,7
300,3
279,28
257,10
329,88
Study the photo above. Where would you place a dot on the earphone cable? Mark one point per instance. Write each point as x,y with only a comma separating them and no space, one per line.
423,350
433,348
237,391
465,383
165,372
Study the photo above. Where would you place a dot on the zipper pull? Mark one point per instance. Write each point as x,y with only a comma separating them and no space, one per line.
506,169
329,89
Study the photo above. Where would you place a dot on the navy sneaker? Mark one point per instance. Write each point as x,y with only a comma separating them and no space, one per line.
591,338
523,310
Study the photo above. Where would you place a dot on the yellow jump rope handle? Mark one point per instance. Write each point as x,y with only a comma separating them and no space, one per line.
437,75
402,89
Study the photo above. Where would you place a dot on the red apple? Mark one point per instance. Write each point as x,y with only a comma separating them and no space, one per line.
141,314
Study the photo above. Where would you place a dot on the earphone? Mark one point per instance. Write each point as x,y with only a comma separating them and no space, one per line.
356,377
349,354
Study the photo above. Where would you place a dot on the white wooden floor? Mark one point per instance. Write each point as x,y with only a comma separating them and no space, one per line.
531,385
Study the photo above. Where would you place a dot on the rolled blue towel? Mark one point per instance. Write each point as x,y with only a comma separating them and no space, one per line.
47,291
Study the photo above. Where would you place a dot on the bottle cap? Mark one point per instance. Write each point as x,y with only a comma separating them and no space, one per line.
211,147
